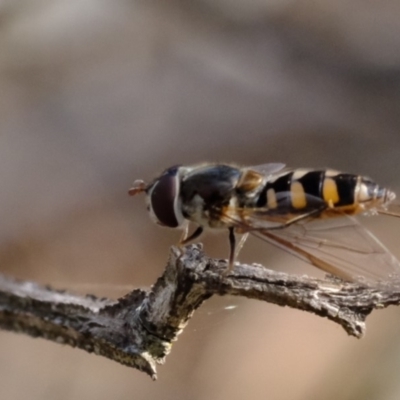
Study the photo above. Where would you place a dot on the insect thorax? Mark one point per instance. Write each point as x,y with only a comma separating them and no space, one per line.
207,192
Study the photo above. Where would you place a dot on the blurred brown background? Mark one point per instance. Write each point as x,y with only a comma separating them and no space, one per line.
95,94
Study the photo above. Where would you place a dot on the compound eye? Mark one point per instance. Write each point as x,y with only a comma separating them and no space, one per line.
164,199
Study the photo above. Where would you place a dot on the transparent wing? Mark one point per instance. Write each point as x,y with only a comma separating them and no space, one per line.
328,239
268,169
339,246
392,209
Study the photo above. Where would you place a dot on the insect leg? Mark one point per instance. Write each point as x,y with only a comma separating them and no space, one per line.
193,236
185,232
232,251
185,239
241,243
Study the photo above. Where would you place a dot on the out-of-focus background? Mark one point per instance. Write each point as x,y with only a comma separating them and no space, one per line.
95,94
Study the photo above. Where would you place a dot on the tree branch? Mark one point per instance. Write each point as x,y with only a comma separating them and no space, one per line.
138,329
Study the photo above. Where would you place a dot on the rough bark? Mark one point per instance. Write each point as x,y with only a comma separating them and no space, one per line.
138,329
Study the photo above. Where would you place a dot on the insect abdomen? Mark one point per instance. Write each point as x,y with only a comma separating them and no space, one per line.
302,189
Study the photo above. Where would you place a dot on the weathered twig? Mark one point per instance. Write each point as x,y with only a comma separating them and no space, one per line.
138,329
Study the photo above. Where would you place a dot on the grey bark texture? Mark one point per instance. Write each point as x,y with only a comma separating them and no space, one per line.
138,329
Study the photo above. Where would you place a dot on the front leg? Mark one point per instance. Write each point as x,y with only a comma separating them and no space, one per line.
185,240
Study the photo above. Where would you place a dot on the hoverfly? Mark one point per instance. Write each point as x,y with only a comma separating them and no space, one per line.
307,212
